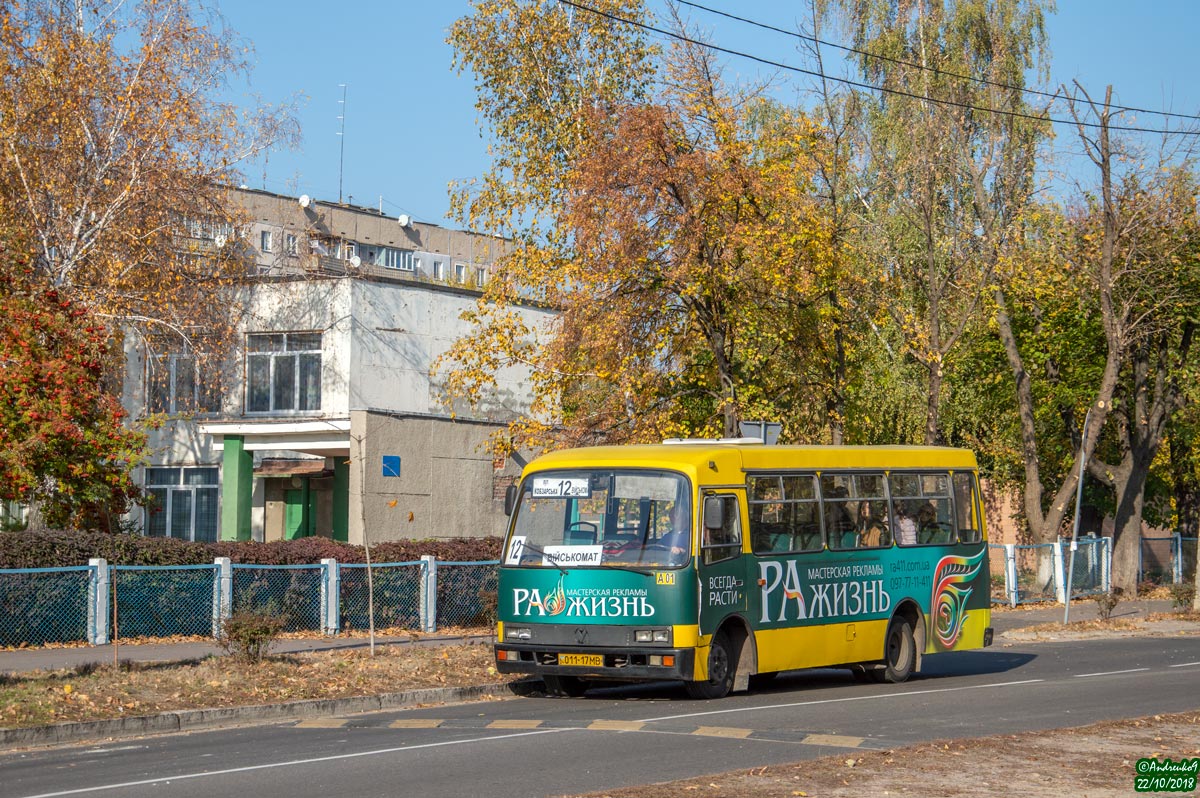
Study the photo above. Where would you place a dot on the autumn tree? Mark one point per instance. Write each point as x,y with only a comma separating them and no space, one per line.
115,155
63,445
951,139
113,144
677,252
1141,238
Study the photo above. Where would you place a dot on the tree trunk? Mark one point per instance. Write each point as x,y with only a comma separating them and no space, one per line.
1127,538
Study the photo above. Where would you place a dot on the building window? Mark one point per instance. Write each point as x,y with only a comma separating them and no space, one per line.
289,243
481,277
184,503
283,372
401,259
265,241
174,384
460,272
14,516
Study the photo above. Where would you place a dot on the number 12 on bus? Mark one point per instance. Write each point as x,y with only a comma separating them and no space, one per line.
714,562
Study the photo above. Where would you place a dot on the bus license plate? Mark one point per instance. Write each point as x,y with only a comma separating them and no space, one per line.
586,660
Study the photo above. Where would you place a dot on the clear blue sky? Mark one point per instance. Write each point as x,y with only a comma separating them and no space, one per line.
411,124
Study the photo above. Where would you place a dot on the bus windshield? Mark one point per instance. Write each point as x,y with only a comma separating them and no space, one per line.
602,517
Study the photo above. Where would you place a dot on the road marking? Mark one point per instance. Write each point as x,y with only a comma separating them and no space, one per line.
288,763
514,724
615,725
322,723
1110,673
415,723
885,696
833,739
1184,665
721,731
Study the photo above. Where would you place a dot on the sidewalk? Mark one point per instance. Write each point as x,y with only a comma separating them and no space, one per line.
19,660
28,659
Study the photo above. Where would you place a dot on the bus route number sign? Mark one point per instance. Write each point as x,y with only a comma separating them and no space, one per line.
548,487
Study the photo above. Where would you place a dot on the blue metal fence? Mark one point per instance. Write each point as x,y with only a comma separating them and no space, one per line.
289,592
466,593
1090,572
164,600
397,589
44,605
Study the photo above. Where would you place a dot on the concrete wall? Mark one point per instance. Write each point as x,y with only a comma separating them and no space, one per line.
400,329
447,482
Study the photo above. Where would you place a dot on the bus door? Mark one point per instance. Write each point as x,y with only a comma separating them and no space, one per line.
720,564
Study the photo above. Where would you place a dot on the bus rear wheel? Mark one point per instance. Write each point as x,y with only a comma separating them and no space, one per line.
565,686
899,653
722,665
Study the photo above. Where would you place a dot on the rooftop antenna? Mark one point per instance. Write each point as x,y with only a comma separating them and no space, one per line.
342,136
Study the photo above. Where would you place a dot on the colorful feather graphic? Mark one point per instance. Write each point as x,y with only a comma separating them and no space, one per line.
556,602
950,594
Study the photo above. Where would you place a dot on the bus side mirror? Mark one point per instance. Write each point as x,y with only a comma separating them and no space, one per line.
510,499
714,512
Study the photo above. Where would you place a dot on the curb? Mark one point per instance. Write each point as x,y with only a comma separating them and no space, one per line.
196,719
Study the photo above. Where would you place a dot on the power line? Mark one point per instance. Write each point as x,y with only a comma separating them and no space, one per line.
902,62
860,85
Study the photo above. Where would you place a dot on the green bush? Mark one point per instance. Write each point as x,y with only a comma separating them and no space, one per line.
248,636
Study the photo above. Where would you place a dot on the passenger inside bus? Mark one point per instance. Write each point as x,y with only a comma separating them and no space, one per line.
906,527
871,531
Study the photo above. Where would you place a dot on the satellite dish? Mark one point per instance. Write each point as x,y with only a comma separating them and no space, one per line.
405,220
305,201
356,261
219,240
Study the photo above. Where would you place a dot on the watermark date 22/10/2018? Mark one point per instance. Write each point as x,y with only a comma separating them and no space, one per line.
1164,775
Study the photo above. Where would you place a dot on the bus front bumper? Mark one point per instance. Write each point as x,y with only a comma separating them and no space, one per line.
606,663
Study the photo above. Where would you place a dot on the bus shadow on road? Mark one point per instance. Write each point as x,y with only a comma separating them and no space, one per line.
943,666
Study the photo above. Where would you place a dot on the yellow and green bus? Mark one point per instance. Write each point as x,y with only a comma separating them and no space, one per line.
719,562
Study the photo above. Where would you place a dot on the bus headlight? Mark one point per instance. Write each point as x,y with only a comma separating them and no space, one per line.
652,636
517,633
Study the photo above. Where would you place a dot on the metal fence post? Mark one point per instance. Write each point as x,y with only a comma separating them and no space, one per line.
1010,572
1177,558
1060,578
222,593
1106,564
331,595
98,587
428,610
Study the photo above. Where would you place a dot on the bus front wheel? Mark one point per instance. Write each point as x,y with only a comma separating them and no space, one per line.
899,653
568,686
722,665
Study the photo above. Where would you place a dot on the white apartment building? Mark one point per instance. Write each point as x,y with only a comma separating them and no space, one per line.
325,419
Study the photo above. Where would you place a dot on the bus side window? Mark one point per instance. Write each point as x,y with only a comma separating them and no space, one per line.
725,542
966,511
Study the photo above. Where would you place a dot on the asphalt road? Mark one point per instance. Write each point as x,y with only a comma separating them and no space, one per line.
627,736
